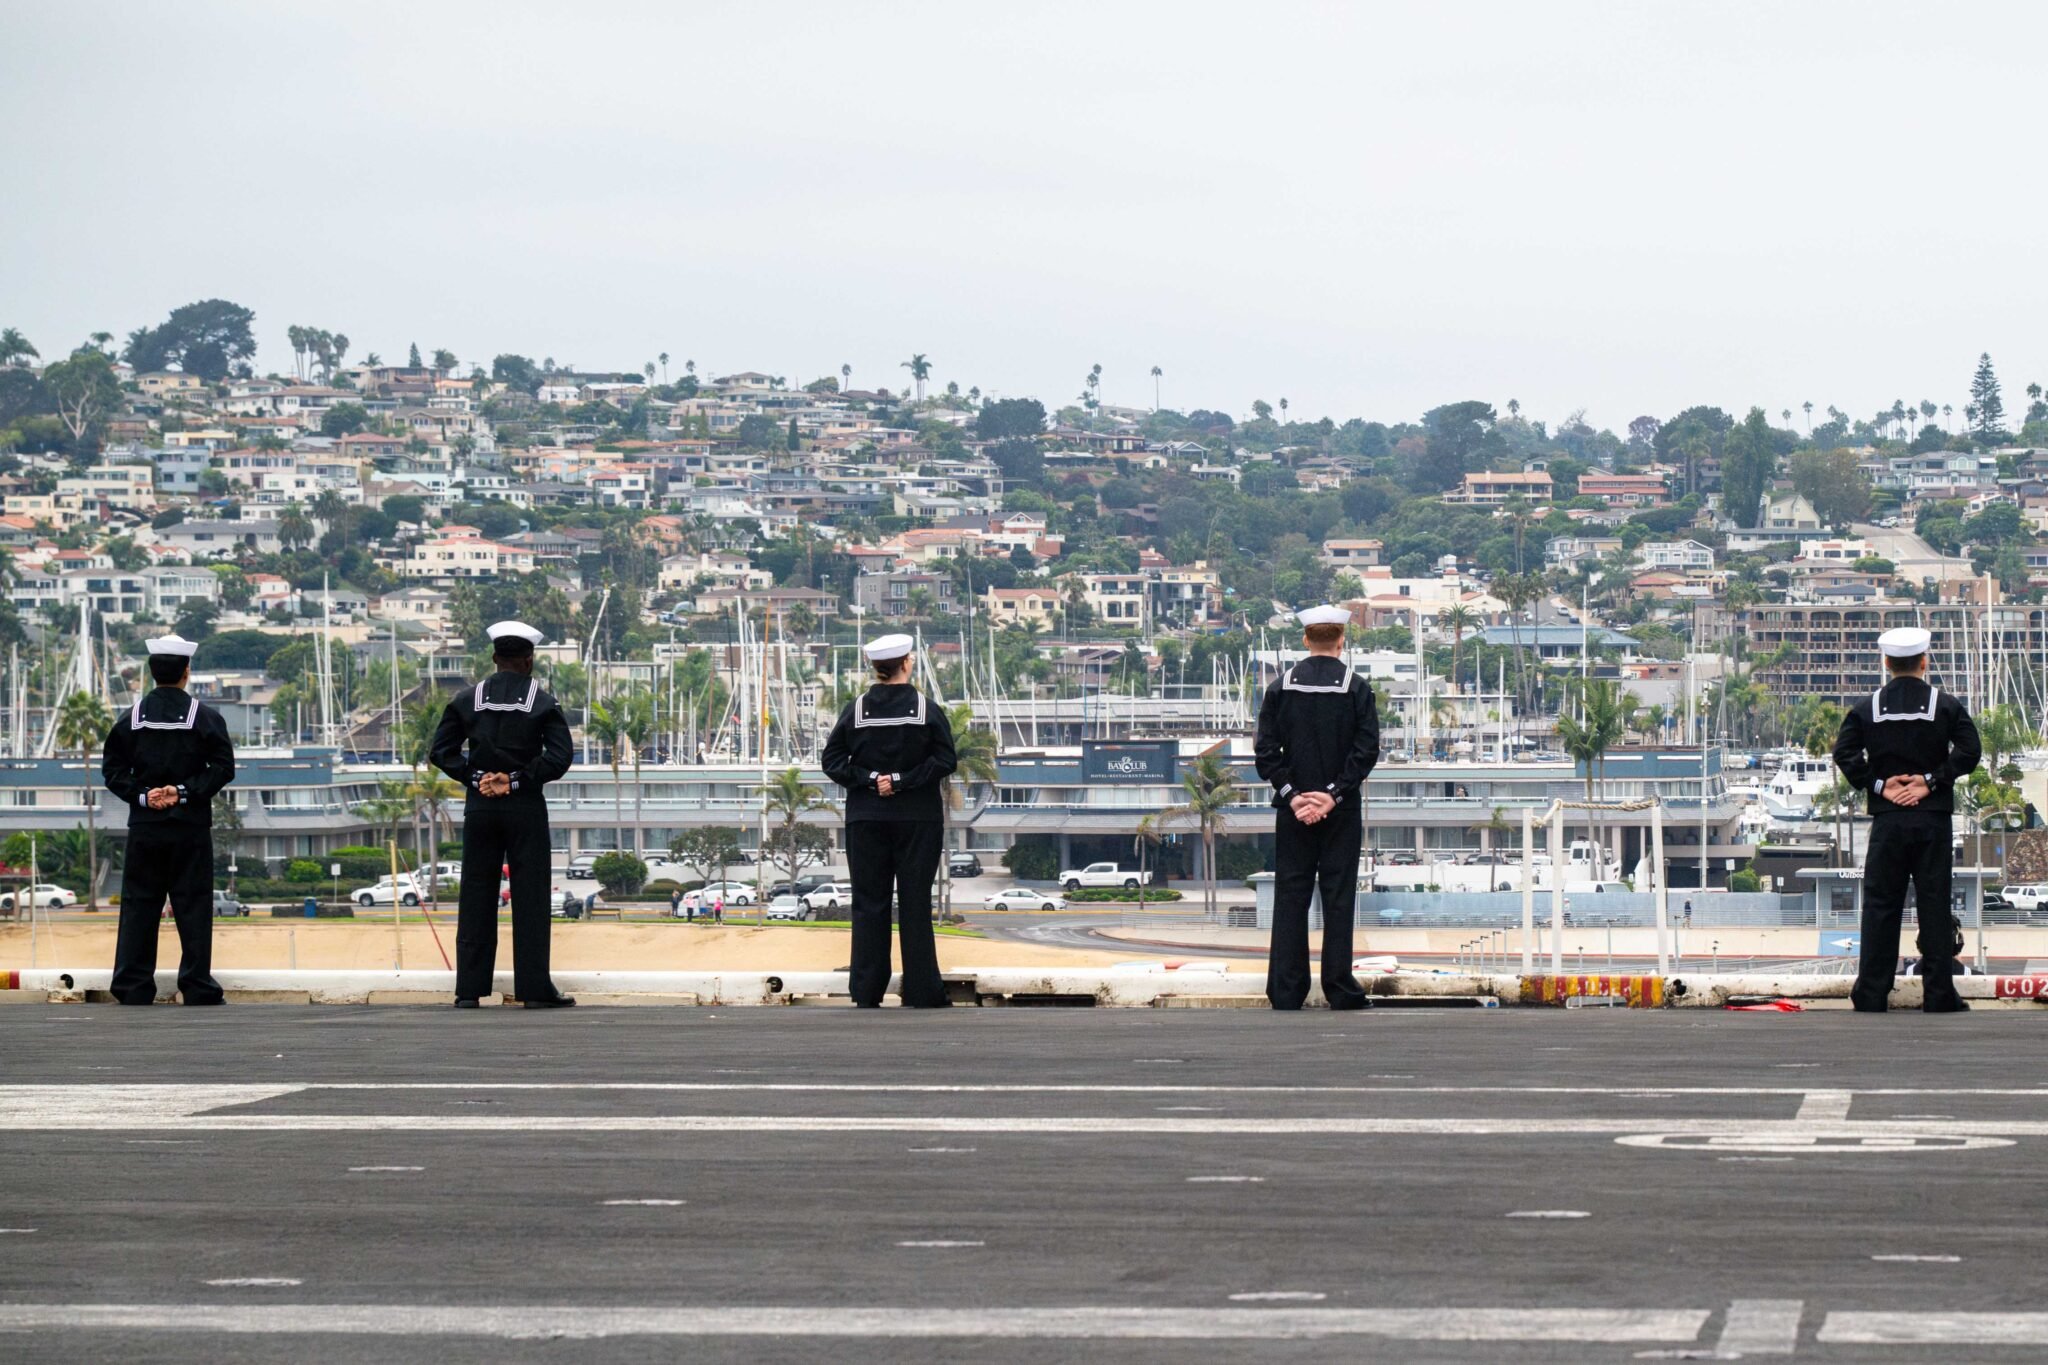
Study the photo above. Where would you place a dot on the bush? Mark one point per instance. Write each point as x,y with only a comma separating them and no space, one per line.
620,874
304,870
1118,893
1033,858
1235,861
1745,879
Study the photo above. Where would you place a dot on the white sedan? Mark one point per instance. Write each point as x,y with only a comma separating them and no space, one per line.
786,907
46,894
1023,898
736,893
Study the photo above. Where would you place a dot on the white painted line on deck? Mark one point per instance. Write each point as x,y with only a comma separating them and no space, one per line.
1761,1327
1068,1323
257,1092
1226,1180
941,1245
1550,1213
1758,1160
645,1203
1919,1260
1189,1109
1280,1296
1825,1106
254,1282
1935,1329
19,1232
365,1170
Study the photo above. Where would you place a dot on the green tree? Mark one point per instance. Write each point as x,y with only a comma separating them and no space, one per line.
85,391
82,725
1987,407
1210,790
430,791
344,419
974,752
1830,480
712,847
1605,712
607,725
636,724
1005,419
620,874
205,338
1748,461
1462,437
788,798
385,811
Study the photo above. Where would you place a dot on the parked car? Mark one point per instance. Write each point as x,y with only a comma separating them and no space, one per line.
405,889
582,867
830,896
962,865
1023,898
660,868
787,907
1103,874
2027,895
225,906
736,893
802,886
48,895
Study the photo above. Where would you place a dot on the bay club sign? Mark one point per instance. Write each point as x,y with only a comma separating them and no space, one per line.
1154,762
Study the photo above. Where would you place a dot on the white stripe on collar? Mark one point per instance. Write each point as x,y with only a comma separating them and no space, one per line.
136,722
532,693
863,721
1288,684
1877,712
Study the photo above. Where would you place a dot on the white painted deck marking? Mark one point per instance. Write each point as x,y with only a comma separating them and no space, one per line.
645,1203
941,1245
1550,1213
578,1323
1909,1257
1825,1106
1863,1140
17,1231
1226,1180
364,1170
1935,1329
254,1282
1280,1296
1761,1327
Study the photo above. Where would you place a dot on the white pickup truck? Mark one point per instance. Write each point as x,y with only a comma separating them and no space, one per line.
1103,874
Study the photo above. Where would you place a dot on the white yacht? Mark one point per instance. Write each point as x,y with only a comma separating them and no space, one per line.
1790,793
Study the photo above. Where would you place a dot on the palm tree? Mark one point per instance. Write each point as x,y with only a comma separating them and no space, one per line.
920,370
607,725
1156,373
1605,711
1144,839
1808,406
788,797
1457,618
2004,731
663,358
82,724
1211,790
845,377
294,532
974,753
387,808
637,724
431,791
15,349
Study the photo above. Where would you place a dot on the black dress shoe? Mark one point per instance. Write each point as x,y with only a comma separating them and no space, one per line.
463,1002
1953,1007
550,1002
207,1000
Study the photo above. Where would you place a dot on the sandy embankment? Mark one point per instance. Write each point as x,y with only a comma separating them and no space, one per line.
579,946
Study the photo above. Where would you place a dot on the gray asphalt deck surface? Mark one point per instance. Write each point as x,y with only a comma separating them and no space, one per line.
1756,1232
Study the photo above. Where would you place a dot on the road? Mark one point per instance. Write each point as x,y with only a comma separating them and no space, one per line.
268,1183
1914,557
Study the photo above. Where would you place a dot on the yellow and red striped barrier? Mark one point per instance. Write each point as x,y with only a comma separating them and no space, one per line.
1637,992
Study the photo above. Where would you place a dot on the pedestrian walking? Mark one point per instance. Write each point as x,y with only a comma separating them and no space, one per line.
892,750
504,740
1908,744
1318,738
166,757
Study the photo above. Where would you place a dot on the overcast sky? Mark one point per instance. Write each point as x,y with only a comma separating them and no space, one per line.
1368,209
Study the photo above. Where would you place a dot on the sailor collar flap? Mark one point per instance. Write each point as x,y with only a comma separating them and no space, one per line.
1877,711
136,722
532,694
862,720
1289,682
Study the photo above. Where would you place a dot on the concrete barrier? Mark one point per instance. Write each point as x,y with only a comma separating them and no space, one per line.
1136,986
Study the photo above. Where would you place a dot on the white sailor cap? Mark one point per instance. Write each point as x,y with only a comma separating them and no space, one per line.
1904,643
1325,616
173,644
513,630
886,647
